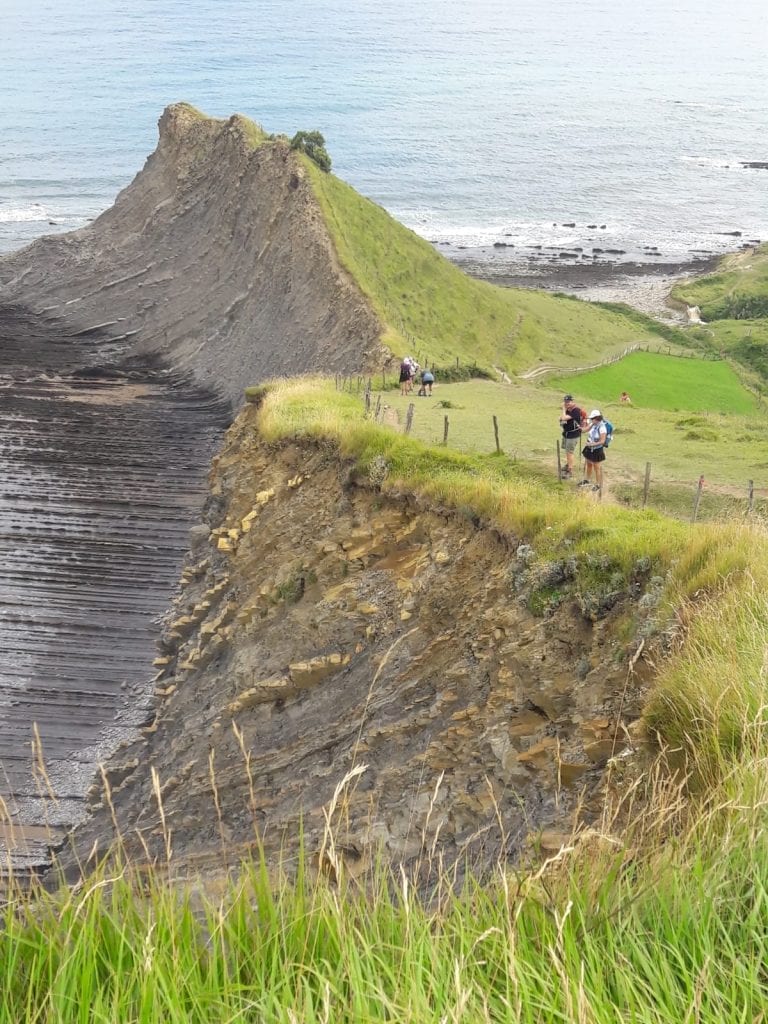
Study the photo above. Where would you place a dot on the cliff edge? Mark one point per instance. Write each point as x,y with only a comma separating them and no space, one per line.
329,629
216,258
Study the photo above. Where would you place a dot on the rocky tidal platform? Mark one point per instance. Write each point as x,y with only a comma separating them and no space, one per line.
103,473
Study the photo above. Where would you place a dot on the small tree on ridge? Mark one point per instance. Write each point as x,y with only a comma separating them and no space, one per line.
313,144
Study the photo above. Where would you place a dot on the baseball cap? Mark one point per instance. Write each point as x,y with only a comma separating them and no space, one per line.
595,413
567,398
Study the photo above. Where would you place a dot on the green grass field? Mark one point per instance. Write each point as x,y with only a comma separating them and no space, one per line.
664,382
727,449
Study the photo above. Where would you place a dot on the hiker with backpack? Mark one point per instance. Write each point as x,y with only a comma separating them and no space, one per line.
572,420
427,380
598,440
407,373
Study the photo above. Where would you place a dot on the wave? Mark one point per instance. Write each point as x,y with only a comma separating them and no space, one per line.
37,213
717,162
15,215
706,105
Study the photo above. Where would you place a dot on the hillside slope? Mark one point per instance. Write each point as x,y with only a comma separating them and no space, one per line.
234,258
433,309
734,304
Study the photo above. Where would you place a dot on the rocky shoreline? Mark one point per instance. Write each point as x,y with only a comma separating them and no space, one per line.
645,286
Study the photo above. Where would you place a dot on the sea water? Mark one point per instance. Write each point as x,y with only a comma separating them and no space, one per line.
473,122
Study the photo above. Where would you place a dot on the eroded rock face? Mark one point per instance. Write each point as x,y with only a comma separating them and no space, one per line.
339,628
216,259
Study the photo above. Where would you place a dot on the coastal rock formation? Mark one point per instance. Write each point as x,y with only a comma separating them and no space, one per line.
327,630
215,259
102,478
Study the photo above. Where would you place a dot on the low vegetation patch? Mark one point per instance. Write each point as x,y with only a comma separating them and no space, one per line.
734,302
608,933
737,291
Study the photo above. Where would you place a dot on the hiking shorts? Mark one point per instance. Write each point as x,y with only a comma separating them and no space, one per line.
570,444
594,454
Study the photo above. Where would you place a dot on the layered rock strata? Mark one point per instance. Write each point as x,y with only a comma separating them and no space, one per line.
328,631
216,259
102,479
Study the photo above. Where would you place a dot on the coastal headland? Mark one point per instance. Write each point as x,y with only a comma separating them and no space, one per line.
389,601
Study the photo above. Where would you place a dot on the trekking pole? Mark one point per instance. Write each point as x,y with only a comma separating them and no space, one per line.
559,467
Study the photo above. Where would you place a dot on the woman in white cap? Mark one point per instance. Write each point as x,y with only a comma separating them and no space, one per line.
594,451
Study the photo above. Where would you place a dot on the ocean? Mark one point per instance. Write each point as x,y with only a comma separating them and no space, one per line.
478,123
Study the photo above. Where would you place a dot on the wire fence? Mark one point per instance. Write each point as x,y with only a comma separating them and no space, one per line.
699,500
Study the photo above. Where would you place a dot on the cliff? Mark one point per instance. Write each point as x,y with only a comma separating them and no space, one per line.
216,259
327,626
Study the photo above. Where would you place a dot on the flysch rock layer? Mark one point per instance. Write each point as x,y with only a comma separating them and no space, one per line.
215,259
326,628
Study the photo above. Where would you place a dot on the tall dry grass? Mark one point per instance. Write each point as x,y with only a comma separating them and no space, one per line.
655,915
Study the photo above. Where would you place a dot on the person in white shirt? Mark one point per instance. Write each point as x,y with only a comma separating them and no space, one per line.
594,451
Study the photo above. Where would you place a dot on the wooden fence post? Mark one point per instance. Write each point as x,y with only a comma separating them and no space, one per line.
496,434
697,499
409,418
445,431
378,408
383,381
647,483
751,494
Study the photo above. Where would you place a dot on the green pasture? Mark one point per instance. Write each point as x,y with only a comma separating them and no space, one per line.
673,383
728,449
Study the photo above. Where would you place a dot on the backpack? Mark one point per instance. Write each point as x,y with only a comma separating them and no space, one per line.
608,433
576,415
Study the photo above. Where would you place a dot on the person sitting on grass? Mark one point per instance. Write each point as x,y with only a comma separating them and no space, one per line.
594,451
625,398
571,420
